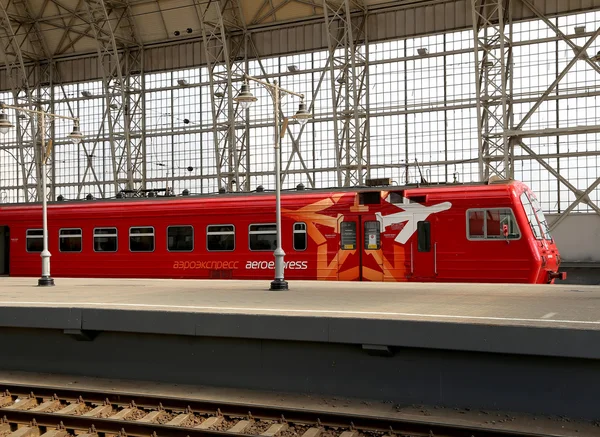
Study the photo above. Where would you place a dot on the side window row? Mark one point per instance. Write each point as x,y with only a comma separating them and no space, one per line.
219,238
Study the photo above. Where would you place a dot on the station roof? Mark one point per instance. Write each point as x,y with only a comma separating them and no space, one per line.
48,29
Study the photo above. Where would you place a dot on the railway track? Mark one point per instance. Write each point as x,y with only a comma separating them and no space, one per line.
27,411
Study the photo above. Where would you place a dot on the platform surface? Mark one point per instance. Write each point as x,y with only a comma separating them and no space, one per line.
561,320
496,304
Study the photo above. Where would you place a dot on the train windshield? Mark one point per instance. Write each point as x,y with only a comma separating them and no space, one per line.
535,216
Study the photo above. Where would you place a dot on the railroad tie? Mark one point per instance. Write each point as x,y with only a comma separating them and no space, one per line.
275,429
152,416
211,421
5,400
4,427
313,432
23,404
26,431
56,433
72,408
241,426
349,434
96,412
123,414
178,420
47,405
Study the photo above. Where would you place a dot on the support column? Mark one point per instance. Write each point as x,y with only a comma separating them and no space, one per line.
346,39
221,53
124,104
493,78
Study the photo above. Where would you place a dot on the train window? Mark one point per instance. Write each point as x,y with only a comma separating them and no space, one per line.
540,215
348,233
535,217
263,237
180,238
35,240
369,198
531,218
423,236
372,235
220,237
300,237
397,197
105,239
477,224
491,224
69,240
141,239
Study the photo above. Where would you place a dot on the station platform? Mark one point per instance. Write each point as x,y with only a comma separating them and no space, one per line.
523,348
547,320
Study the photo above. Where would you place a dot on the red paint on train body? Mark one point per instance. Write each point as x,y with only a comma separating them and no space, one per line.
445,233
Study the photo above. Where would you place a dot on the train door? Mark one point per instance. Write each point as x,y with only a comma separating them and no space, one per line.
424,257
4,250
349,253
372,257
360,257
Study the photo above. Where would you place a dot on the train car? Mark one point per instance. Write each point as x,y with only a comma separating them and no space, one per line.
485,232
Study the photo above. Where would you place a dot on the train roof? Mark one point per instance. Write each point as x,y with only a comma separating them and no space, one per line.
158,195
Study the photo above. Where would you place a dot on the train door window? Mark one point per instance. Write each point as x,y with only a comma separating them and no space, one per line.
348,239
35,240
300,237
220,238
372,235
105,239
424,236
180,238
69,240
141,239
263,236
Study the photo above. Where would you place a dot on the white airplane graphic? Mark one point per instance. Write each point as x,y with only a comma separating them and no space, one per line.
412,214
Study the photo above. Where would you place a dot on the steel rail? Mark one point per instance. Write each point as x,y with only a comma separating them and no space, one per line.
238,410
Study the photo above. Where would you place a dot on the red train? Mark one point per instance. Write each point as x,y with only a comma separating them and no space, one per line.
489,232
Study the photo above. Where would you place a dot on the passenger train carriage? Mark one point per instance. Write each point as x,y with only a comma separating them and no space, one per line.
489,232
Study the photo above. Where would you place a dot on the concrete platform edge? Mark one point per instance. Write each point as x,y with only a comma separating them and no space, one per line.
519,340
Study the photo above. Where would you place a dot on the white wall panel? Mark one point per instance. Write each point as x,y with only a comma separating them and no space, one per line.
577,237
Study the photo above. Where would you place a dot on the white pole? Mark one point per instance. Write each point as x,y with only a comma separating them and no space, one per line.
279,282
45,280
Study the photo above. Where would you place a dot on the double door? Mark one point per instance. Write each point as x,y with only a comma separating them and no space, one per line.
360,255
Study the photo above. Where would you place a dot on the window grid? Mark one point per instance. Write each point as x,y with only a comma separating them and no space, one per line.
422,108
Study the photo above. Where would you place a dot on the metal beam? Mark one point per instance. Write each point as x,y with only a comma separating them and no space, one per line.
18,78
124,108
557,175
493,77
346,40
583,196
220,53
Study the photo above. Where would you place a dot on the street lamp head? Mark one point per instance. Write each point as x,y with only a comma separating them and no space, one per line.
245,97
5,123
302,115
76,136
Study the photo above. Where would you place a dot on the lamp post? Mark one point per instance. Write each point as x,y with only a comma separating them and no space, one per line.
246,98
75,137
